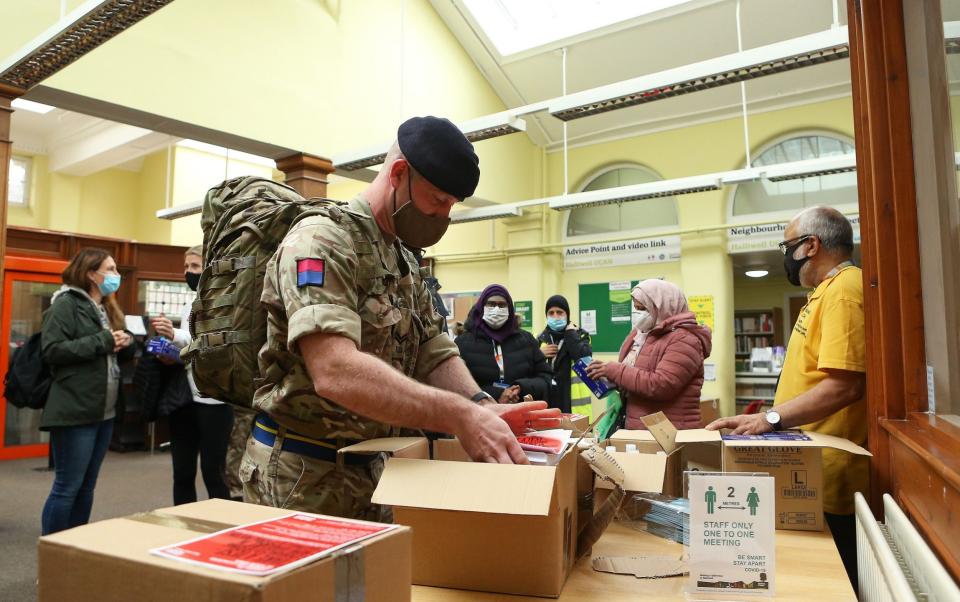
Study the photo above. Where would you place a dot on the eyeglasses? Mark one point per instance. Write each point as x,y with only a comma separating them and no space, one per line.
793,241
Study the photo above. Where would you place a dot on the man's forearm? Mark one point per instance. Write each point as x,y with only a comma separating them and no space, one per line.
827,397
453,375
367,386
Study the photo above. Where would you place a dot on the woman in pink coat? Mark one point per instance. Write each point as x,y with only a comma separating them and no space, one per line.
661,361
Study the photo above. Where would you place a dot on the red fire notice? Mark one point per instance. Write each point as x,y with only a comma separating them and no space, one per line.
274,545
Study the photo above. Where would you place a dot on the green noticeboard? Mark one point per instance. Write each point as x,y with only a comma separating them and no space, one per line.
605,309
524,309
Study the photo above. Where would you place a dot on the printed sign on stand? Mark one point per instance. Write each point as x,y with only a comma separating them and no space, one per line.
731,535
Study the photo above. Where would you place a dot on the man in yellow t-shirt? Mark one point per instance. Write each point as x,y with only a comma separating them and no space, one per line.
823,380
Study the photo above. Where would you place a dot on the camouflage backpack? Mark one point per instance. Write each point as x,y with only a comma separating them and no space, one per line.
244,220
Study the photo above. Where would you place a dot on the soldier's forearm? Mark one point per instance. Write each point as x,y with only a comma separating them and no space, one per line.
453,375
369,387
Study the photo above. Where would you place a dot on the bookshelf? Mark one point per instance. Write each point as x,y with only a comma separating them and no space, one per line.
755,328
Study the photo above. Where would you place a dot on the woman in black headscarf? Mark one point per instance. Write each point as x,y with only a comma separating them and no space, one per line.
505,360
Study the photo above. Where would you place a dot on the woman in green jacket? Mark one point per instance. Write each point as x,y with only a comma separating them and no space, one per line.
81,335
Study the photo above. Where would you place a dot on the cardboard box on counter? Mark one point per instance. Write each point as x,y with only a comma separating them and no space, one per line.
485,527
664,453
110,561
795,461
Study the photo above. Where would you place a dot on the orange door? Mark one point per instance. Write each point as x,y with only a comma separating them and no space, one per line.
28,285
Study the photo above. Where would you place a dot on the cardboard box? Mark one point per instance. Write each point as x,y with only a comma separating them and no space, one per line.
109,561
797,469
664,454
398,447
485,527
577,423
709,411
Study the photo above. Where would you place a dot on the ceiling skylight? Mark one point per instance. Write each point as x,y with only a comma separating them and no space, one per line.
517,25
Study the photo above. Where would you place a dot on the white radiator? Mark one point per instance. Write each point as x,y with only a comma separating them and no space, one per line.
894,563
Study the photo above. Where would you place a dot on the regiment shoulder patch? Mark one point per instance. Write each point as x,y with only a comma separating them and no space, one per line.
309,272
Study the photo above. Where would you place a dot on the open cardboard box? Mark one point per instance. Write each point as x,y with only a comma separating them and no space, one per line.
110,561
485,527
797,469
664,454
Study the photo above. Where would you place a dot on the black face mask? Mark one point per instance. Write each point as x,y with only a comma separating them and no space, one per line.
193,280
414,227
792,266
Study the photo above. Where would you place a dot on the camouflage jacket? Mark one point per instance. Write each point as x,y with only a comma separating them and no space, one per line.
336,274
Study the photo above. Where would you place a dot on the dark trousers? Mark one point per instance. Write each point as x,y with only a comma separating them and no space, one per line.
204,429
77,452
844,530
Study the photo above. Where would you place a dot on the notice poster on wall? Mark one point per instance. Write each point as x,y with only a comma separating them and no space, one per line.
588,321
621,303
702,307
524,311
732,534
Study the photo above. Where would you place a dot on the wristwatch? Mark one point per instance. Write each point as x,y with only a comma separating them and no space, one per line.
773,418
482,396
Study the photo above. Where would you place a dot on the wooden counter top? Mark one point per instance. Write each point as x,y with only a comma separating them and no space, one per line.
808,568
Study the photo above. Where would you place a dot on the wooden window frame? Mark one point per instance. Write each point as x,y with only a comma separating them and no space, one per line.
902,157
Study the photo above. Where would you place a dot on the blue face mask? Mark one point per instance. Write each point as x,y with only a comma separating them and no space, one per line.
110,284
556,323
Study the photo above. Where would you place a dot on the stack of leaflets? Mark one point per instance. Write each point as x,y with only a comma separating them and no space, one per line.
661,515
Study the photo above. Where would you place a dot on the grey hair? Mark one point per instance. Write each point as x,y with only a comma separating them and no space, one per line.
194,250
829,225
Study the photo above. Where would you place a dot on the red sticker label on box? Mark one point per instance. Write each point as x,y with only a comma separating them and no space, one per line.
274,545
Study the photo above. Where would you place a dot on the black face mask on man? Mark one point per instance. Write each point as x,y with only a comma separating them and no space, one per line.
193,280
792,265
414,227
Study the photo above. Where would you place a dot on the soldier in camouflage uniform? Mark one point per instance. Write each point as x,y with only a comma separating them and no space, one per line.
242,425
354,346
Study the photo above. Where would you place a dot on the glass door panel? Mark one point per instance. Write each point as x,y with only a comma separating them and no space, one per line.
26,296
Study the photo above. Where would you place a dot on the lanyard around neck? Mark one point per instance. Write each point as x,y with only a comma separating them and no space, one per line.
498,357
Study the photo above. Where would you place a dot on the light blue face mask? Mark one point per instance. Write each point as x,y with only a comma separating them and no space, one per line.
556,323
110,284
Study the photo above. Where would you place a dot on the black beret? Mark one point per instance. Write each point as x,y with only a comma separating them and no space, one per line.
440,152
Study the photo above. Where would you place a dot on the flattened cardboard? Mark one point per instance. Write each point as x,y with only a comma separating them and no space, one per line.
641,567
466,486
398,447
476,531
109,561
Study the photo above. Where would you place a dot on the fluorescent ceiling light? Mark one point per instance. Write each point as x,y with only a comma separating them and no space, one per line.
178,211
756,273
482,128
783,56
823,166
636,192
23,104
484,213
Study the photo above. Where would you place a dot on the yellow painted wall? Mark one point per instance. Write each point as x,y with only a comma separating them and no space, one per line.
27,20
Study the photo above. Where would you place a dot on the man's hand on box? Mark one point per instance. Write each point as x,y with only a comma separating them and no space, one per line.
744,424
486,438
528,415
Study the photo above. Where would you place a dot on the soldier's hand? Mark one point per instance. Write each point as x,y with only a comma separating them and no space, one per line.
487,438
529,415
